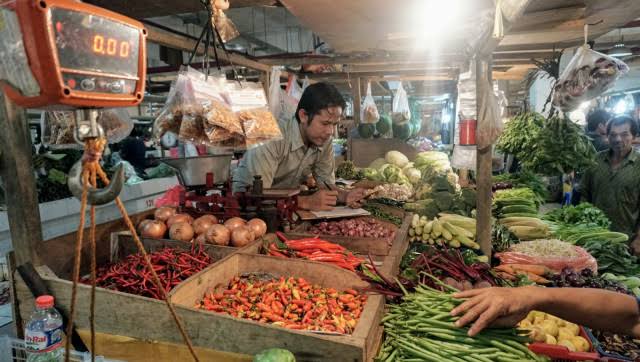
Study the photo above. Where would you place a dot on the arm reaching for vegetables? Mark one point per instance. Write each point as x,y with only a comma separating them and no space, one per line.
594,308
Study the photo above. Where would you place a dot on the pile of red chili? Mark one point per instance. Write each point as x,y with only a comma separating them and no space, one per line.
132,276
314,249
290,303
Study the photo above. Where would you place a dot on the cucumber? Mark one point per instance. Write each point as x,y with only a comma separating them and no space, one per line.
511,209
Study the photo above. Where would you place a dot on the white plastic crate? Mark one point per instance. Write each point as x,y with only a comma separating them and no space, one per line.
14,350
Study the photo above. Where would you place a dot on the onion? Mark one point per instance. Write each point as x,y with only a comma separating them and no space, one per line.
218,235
179,218
203,223
154,230
242,236
142,224
234,223
164,213
258,226
201,239
181,231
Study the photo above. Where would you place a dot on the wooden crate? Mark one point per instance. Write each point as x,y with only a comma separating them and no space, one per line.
231,334
360,245
117,313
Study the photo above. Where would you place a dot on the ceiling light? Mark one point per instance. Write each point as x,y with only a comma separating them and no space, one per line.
620,50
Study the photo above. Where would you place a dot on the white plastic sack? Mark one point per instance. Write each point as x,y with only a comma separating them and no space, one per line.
400,111
369,110
490,123
588,75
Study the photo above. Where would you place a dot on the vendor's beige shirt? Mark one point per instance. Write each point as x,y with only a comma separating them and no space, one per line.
285,163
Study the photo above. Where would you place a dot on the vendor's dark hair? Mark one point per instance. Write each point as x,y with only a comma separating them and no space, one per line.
317,97
595,118
622,120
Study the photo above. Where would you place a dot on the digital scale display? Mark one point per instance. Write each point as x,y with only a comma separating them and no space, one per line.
87,43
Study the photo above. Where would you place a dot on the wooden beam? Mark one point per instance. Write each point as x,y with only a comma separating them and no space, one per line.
141,9
380,75
356,92
549,18
483,159
180,42
365,59
16,169
512,11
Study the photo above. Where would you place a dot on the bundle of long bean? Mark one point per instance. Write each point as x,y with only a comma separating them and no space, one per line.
422,329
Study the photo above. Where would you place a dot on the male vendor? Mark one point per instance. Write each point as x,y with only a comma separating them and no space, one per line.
305,149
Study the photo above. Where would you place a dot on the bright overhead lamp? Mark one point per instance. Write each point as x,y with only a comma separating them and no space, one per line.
620,50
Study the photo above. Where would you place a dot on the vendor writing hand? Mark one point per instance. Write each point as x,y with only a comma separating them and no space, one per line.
321,200
352,198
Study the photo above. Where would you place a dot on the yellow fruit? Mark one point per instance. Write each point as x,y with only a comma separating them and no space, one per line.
565,334
567,343
574,328
550,339
530,316
550,327
580,343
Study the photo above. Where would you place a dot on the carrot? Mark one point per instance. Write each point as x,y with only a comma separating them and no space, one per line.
507,268
539,270
536,278
506,276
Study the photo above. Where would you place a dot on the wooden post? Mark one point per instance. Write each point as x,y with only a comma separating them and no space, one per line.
357,101
483,161
16,169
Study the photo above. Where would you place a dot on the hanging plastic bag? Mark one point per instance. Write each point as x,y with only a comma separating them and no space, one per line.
180,100
588,75
582,260
249,102
400,107
116,123
369,110
487,133
57,128
225,27
276,94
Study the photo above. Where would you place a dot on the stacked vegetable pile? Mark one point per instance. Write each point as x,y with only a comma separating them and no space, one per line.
290,302
582,214
585,278
522,179
525,228
516,202
449,229
624,346
348,171
364,227
545,328
393,168
421,328
132,276
553,254
182,227
314,249
550,147
378,213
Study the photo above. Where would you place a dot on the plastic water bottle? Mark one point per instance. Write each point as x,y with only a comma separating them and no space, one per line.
43,332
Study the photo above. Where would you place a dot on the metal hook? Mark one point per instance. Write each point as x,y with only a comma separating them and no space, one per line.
95,196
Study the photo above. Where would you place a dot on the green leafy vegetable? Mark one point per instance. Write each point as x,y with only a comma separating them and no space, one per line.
585,213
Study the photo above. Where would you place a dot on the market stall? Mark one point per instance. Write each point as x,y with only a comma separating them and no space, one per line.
226,274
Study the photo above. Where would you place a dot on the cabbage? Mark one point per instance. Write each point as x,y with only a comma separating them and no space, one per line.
391,172
396,158
371,174
274,355
408,166
377,163
413,174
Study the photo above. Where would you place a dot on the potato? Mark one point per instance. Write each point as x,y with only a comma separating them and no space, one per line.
525,324
538,320
550,327
574,328
581,344
567,343
565,334
537,334
551,339
531,316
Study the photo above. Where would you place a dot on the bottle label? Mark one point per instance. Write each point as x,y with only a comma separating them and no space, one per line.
43,341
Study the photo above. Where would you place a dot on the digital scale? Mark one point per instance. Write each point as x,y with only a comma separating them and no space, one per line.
68,55
72,55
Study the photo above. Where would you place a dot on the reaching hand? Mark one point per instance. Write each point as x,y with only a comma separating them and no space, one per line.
321,200
354,198
499,307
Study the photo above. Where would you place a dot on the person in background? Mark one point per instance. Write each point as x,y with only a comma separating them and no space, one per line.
133,150
613,184
597,128
594,308
305,149
567,188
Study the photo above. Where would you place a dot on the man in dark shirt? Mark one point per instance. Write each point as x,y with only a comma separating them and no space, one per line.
597,129
612,184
